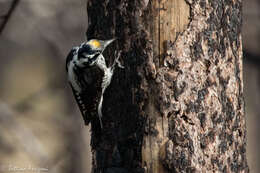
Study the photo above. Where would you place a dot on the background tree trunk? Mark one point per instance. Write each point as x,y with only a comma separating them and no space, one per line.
178,104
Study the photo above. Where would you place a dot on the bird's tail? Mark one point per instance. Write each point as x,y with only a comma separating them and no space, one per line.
100,111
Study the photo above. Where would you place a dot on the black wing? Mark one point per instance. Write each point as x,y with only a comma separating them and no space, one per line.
89,97
70,57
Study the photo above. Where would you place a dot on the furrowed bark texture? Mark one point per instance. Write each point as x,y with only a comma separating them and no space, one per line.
177,106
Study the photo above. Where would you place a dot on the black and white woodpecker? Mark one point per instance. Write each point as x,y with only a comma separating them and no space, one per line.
89,76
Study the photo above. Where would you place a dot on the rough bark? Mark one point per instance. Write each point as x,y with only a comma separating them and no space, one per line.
177,106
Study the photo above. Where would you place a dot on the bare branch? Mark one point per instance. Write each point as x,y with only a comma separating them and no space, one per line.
8,15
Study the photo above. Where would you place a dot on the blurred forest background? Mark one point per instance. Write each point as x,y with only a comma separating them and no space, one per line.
40,125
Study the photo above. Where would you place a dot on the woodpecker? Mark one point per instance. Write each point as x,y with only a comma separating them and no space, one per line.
89,76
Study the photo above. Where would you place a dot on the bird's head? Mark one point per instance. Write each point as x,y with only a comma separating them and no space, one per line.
90,50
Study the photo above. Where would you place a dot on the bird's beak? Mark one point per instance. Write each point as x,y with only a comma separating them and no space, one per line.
107,42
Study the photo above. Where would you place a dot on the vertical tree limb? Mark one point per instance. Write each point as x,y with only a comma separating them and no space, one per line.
178,104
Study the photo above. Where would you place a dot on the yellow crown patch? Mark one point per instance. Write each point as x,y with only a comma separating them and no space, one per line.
95,43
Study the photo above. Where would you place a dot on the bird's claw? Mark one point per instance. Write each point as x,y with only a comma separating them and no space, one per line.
118,54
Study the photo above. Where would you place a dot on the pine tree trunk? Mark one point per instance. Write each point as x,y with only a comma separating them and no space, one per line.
177,106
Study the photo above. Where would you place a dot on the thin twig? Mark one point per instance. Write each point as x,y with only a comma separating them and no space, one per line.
8,15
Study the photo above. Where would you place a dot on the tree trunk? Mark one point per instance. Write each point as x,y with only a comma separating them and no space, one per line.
177,106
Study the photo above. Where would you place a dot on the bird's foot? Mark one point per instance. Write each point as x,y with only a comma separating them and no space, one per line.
117,62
